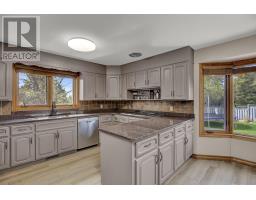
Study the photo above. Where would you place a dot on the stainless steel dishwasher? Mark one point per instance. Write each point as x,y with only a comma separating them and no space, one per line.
88,133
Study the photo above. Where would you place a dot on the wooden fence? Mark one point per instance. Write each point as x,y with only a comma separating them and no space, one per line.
240,113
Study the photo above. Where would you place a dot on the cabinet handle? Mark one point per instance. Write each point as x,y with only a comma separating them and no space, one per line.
148,82
161,156
145,82
185,140
58,134
31,140
156,159
173,93
134,84
147,145
167,136
6,146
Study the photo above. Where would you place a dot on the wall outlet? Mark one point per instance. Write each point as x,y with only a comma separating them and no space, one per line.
101,106
171,108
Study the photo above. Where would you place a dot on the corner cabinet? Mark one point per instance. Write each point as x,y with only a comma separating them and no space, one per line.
5,77
113,87
177,81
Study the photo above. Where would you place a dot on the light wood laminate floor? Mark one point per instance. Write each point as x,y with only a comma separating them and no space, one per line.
83,167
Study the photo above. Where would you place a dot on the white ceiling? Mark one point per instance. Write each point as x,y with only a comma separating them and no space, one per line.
118,35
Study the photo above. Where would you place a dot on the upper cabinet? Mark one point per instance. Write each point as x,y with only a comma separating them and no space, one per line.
123,88
147,78
113,87
92,86
176,82
5,86
130,78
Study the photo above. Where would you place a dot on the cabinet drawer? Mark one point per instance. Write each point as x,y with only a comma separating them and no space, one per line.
105,118
22,129
166,136
180,130
55,124
4,132
146,146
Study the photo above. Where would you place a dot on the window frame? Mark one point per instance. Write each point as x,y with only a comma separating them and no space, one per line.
220,66
49,73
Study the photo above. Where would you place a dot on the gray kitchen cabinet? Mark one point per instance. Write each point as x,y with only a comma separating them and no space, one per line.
113,87
179,151
189,139
176,82
141,79
148,78
92,86
167,82
22,149
154,77
100,82
124,94
180,81
147,169
4,153
130,78
5,86
46,144
166,163
67,139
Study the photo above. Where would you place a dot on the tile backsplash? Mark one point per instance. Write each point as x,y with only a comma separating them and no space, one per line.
157,105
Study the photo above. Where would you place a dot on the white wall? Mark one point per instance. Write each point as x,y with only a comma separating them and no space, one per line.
234,50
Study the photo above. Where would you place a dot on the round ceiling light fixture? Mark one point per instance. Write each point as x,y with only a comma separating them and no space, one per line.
81,44
135,54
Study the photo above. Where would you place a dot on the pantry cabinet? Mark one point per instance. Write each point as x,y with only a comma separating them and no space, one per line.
22,149
5,77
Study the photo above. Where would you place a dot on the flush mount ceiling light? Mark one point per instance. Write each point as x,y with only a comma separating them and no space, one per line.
135,54
81,44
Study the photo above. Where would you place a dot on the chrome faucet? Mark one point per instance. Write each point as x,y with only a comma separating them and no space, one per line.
53,110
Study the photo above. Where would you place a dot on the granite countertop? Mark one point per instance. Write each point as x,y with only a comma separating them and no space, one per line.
139,130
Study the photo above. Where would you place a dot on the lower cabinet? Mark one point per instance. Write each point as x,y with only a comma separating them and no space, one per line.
179,151
22,149
67,140
4,153
46,144
166,162
147,169
189,144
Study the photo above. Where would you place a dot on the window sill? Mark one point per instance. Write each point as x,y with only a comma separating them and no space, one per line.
228,135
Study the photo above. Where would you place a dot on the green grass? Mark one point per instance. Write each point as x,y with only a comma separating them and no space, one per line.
241,127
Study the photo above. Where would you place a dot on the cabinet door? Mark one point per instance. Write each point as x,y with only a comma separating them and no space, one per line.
167,82
154,79
113,87
166,165
4,153
141,79
67,139
189,144
147,169
180,81
5,86
179,151
123,87
46,144
22,149
130,80
100,86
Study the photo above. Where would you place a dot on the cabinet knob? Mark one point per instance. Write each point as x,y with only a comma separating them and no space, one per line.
31,140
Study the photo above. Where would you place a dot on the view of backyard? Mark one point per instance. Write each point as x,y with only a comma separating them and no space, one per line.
244,115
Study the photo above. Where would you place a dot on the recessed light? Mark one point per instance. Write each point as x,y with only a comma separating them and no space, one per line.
135,54
81,44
